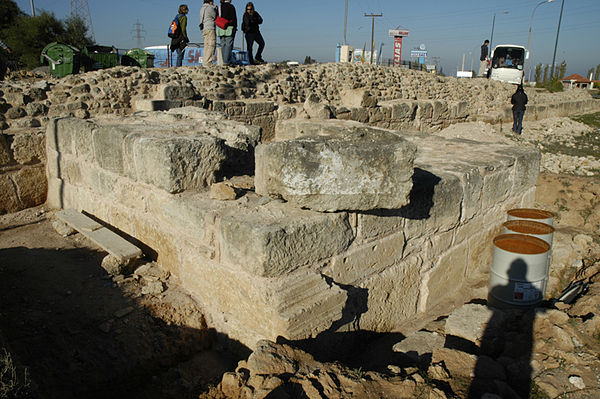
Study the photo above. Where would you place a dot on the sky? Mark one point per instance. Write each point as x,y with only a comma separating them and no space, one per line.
295,29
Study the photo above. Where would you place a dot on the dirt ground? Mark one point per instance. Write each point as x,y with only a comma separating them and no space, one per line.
82,333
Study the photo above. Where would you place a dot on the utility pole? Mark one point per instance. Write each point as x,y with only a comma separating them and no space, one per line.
556,42
345,22
32,9
137,30
372,33
80,9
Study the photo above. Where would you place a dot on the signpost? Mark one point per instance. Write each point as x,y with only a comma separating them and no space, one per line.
398,34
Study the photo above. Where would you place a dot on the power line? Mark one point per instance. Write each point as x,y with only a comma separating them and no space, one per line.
80,9
137,30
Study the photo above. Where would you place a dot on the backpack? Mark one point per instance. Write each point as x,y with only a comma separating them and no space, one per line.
174,29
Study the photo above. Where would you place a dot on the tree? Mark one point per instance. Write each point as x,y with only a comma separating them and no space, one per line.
562,70
9,11
545,80
76,33
308,60
29,35
590,73
538,75
597,72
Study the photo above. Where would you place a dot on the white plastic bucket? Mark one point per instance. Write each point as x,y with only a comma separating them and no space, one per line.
542,231
519,271
537,215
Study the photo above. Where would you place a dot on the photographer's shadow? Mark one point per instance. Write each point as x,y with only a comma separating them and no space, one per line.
508,338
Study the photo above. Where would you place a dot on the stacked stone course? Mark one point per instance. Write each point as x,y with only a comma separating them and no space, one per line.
262,267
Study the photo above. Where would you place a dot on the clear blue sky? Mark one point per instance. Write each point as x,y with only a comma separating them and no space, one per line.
295,29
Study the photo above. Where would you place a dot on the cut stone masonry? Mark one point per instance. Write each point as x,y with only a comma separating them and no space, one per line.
264,268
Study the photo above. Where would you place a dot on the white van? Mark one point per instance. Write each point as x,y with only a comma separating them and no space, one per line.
507,63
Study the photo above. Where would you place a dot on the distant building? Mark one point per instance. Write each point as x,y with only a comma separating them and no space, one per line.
576,81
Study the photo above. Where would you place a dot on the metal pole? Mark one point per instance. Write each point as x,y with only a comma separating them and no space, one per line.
529,38
556,43
372,33
345,22
32,9
492,35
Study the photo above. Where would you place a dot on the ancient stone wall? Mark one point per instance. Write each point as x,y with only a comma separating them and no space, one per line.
264,95
22,170
263,267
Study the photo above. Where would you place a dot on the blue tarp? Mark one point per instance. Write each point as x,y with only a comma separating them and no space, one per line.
192,56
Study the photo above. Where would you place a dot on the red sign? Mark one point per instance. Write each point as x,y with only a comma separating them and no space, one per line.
397,50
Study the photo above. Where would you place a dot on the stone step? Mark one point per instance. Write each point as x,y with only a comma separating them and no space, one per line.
106,239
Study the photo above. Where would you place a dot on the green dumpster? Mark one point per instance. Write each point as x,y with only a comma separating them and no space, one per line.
63,59
99,57
138,57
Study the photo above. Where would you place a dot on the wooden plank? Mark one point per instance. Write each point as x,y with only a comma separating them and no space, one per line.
78,220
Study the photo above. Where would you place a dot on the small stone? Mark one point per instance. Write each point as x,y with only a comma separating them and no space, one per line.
153,288
577,381
62,228
123,312
223,192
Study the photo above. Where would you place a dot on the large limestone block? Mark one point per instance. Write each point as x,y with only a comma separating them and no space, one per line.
108,146
296,128
347,172
357,98
277,238
178,163
29,147
9,200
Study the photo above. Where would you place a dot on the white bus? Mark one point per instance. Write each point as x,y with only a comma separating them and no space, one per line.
507,63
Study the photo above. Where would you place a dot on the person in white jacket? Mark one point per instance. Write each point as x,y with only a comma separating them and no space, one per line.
208,14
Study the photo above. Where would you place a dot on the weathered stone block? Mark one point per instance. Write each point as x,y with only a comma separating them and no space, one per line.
5,152
178,163
31,185
357,98
58,136
175,92
29,147
343,173
360,263
435,203
527,168
448,272
296,128
278,238
108,147
9,200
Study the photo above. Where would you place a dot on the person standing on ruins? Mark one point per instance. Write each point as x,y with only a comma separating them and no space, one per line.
250,27
179,43
208,14
3,66
227,34
518,100
483,59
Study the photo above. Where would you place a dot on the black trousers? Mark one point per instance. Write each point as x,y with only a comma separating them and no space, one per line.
250,39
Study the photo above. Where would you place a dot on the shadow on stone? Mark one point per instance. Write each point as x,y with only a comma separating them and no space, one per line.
421,198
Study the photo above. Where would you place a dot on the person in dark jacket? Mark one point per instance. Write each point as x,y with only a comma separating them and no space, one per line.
3,46
227,35
483,59
250,27
179,43
518,100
